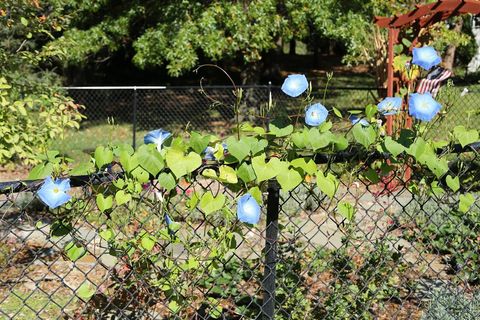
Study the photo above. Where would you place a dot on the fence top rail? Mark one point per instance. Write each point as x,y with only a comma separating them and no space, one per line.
115,88
320,158
206,87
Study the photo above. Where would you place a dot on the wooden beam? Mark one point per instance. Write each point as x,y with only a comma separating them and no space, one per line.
430,13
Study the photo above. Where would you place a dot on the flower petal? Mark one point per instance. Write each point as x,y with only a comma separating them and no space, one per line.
426,57
248,209
294,85
315,115
389,106
423,106
157,137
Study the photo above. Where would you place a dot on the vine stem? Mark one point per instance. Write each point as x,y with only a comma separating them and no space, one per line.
237,93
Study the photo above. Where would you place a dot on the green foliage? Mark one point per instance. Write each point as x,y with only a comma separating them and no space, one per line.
29,125
161,193
448,231
25,29
450,304
360,285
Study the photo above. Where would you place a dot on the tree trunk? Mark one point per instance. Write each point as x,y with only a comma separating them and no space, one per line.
293,47
449,57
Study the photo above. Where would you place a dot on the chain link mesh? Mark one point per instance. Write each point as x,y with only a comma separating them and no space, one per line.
403,255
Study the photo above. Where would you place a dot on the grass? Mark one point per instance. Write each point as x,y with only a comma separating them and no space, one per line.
29,305
78,145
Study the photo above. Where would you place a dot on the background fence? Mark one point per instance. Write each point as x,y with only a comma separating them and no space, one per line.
136,110
405,255
173,108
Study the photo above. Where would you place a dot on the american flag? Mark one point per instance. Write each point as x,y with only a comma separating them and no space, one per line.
434,80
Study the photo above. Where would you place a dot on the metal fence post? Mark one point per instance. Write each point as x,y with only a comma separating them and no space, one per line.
134,124
271,239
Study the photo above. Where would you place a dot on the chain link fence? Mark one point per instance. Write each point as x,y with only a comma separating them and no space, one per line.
207,109
395,253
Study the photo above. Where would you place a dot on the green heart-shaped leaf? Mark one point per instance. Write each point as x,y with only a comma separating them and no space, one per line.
209,203
85,291
364,135
327,184
319,140
150,159
141,175
104,203
265,171
300,139
393,147
453,183
346,210
309,167
210,173
289,179
198,142
103,156
106,234
147,242
121,197
227,174
129,162
167,181
280,132
73,251
238,149
180,164
246,173
255,145
465,136
466,201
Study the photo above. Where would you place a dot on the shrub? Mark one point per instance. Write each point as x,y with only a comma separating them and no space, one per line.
29,125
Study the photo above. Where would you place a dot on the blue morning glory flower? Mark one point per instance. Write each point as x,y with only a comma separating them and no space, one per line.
355,120
426,57
423,106
157,137
54,193
248,209
315,115
209,153
389,106
294,85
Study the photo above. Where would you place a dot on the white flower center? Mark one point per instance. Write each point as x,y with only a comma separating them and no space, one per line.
56,190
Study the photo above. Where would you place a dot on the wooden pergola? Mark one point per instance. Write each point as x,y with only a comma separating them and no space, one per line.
421,17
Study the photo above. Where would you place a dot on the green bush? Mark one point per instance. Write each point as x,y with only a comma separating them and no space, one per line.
30,124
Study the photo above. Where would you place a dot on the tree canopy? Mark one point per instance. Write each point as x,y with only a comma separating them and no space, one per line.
178,35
